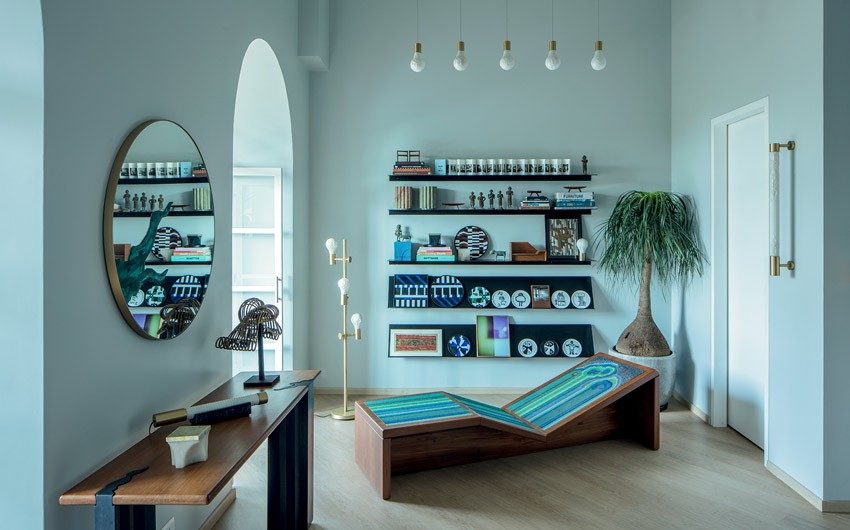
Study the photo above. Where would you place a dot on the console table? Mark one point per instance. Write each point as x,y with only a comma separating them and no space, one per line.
286,421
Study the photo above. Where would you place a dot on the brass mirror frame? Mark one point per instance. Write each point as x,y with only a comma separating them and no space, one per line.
108,218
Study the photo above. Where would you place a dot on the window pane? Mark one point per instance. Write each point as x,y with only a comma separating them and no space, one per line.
253,202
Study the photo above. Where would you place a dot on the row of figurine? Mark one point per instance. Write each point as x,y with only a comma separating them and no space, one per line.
143,203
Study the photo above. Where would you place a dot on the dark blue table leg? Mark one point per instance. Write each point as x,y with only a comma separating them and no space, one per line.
125,518
290,471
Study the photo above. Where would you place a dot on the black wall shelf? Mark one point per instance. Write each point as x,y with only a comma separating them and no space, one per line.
178,263
485,211
484,263
570,284
507,177
182,180
536,332
170,214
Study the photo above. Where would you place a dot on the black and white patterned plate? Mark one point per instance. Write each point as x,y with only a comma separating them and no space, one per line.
473,238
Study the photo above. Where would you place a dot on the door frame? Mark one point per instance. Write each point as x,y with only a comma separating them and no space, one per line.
719,259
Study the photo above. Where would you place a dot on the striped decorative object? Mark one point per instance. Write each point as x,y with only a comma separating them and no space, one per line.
420,408
493,413
573,392
410,290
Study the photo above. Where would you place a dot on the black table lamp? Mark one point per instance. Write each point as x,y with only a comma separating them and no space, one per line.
256,320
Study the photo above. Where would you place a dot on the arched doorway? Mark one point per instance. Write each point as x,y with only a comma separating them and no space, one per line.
262,198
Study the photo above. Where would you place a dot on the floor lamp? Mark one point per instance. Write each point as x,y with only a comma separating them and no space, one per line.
344,412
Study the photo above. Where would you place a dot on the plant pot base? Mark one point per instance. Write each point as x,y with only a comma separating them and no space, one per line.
666,368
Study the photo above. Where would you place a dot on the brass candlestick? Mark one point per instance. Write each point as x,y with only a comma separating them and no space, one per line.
344,412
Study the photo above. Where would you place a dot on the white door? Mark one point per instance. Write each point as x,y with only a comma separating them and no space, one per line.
748,275
257,267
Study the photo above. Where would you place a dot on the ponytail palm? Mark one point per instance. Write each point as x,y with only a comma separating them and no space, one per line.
646,231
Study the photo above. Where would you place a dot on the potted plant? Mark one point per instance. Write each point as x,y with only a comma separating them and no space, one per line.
650,231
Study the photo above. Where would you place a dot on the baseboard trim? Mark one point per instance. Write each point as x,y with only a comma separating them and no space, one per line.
806,493
699,413
220,510
406,391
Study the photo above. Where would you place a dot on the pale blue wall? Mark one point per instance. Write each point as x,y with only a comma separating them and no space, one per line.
370,103
21,325
726,54
102,77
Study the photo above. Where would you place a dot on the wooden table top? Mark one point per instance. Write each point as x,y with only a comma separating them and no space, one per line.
230,444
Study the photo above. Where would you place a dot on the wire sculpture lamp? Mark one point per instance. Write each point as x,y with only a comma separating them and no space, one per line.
256,321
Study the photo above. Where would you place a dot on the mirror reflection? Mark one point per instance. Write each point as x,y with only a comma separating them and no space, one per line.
161,230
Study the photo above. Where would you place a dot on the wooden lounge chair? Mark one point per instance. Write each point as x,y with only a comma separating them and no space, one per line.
599,399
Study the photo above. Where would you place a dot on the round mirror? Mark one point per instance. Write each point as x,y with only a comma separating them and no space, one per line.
158,229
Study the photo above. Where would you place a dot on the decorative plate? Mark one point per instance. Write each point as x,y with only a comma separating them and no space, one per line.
572,348
137,299
459,346
580,299
446,291
155,296
479,297
560,299
473,238
550,348
165,238
521,299
188,286
501,299
527,348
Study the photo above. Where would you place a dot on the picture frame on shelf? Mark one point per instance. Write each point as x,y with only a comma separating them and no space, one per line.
416,342
563,231
541,297
493,336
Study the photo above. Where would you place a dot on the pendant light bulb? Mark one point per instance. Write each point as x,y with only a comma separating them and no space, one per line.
417,64
553,62
507,61
598,61
460,63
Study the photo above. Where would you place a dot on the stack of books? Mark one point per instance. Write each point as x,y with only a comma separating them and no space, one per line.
201,199
535,201
191,254
411,168
575,200
442,253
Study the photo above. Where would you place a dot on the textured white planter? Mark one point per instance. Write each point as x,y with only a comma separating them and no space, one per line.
665,366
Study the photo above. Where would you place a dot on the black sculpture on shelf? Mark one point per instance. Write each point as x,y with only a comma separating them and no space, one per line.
177,317
256,320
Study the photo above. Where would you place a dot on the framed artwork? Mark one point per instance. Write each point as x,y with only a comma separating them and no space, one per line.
493,336
562,233
540,297
410,290
416,343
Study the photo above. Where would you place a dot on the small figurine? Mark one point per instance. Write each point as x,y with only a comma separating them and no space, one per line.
152,202
398,232
135,202
160,201
510,197
472,200
491,197
583,164
481,200
144,201
126,200
501,197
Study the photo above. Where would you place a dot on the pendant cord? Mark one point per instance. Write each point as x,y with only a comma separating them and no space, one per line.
417,20
460,20
597,19
553,20
506,19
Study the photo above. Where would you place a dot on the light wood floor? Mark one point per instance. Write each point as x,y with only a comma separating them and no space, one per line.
701,478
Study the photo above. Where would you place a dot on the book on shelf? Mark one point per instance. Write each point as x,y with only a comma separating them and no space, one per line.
575,204
449,258
434,250
191,259
574,195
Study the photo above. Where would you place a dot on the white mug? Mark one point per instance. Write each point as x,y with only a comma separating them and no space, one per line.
151,170
490,166
509,165
521,166
160,170
479,166
532,166
452,168
469,166
132,172
564,166
499,168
